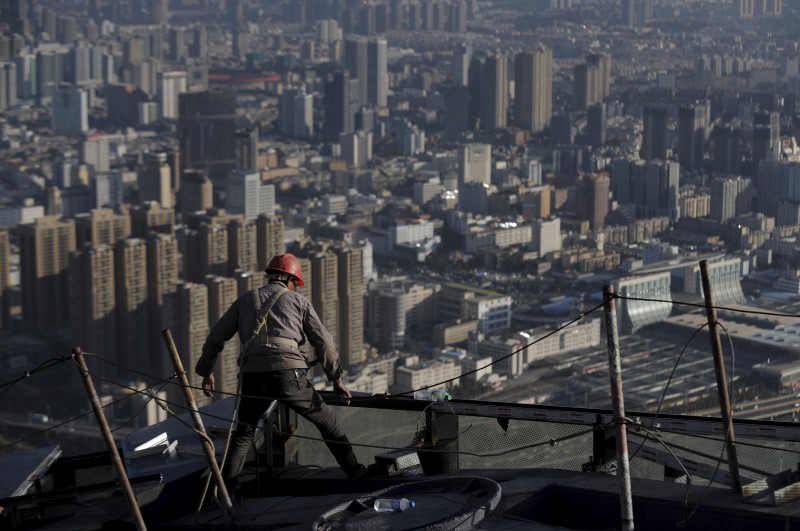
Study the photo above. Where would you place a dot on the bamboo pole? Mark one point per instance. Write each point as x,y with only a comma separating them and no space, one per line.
618,408
722,381
198,422
130,497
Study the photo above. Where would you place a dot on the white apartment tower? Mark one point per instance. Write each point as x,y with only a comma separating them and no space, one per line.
475,163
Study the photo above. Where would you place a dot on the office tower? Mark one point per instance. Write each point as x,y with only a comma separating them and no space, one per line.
222,292
26,76
92,317
377,72
145,76
596,124
49,73
731,197
207,132
654,133
132,304
95,152
159,11
585,86
246,195
461,61
66,29
204,249
533,77
456,120
296,113
592,198
196,192
242,246
475,163
561,130
177,44
70,112
101,226
341,103
5,299
726,140
44,248
124,101
772,122
357,64
763,148
199,47
356,148
546,235
651,186
494,93
155,180
776,183
692,127
246,148
473,197
149,217
601,61
269,238
170,86
80,61
8,85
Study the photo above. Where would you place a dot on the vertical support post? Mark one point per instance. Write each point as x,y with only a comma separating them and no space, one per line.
722,381
130,497
198,422
618,408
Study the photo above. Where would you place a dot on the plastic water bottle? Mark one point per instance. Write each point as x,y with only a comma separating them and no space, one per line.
393,505
433,396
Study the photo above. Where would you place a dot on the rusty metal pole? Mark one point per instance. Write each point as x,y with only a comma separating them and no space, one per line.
618,408
198,422
130,497
722,381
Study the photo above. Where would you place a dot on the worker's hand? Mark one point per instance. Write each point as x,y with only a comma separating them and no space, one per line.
341,389
208,385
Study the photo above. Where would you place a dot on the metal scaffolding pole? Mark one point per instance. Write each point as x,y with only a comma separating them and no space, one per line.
618,408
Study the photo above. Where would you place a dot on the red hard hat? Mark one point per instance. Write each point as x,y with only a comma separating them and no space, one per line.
286,263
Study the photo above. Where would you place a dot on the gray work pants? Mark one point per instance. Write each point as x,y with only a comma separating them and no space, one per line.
292,387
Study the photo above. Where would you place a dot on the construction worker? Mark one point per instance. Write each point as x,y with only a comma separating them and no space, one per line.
272,322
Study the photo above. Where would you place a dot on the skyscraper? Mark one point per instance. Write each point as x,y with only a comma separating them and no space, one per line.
352,289
204,250
44,248
132,305
149,217
155,181
596,124
296,113
585,86
730,197
726,149
170,86
242,246
163,262
534,89
602,61
692,127
206,131
494,93
592,198
461,61
92,298
8,85
325,290
5,303
377,72
222,292
196,192
654,133
95,152
357,64
70,112
269,238
341,102
246,195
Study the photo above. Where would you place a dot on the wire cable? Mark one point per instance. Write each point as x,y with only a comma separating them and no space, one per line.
52,362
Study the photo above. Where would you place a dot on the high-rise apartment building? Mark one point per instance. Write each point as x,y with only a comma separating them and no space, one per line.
5,299
352,289
163,266
731,197
207,132
44,249
269,239
155,181
325,290
585,86
149,217
101,226
196,192
222,292
727,158
533,80
8,85
242,246
95,152
92,298
187,311
475,163
592,199
602,61
395,307
204,250
132,304
494,93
